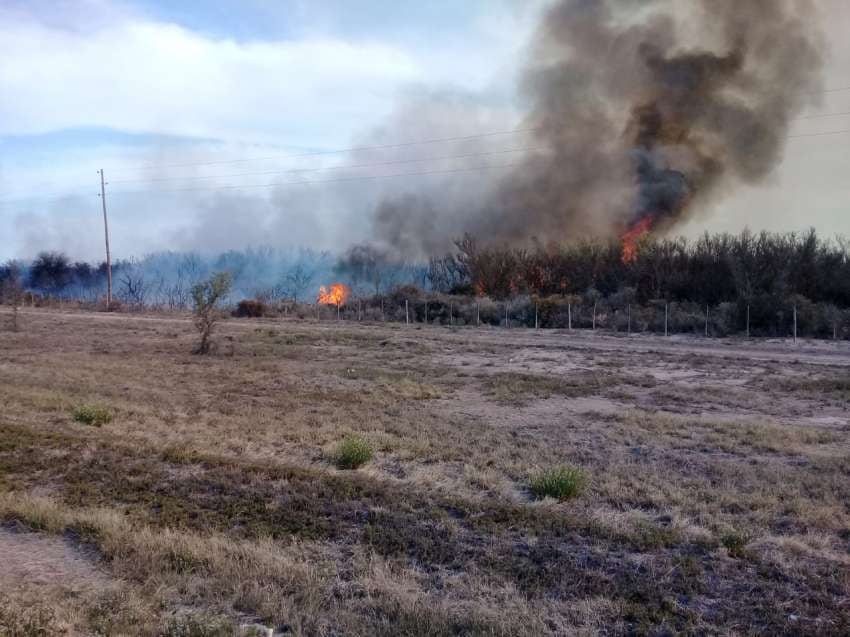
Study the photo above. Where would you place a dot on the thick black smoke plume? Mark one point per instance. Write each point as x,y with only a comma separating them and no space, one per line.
641,112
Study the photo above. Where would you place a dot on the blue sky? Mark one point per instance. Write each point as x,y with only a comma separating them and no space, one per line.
143,88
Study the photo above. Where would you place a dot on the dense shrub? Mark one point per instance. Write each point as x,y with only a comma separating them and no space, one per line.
353,452
92,414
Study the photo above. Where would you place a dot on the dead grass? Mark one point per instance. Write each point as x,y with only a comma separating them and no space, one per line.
210,501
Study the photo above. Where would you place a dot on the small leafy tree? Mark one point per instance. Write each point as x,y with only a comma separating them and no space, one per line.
206,296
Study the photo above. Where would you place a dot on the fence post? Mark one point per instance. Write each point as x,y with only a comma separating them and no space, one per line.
666,305
536,324
337,311
383,317
359,309
478,312
507,318
594,315
451,320
570,316
426,312
629,329
706,320
748,320
406,313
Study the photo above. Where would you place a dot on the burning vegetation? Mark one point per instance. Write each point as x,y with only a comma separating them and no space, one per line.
641,114
334,294
631,238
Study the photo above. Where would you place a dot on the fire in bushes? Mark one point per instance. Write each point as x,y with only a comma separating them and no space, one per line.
334,294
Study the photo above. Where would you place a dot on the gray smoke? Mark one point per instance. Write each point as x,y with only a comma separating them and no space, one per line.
641,111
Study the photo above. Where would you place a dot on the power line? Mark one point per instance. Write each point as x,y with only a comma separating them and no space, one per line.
344,167
390,162
830,132
345,150
824,115
320,181
411,143
290,171
369,177
397,145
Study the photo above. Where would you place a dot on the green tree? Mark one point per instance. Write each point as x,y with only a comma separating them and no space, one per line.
206,297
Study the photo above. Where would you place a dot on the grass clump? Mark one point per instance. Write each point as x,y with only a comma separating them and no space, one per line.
92,414
735,543
562,483
354,451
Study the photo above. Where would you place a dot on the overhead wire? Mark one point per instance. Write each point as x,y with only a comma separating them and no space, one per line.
323,168
352,149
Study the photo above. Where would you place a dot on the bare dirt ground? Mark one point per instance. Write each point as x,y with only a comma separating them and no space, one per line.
717,500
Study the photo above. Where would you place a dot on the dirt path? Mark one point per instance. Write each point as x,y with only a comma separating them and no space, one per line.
32,559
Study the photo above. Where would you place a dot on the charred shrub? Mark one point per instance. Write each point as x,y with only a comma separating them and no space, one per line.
251,308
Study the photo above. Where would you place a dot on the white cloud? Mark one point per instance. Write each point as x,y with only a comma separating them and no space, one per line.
143,76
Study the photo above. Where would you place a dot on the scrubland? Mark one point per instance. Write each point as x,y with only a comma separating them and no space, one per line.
709,483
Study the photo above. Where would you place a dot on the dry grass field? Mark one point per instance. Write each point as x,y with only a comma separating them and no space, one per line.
715,491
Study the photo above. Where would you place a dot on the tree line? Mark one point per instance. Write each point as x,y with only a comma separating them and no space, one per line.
712,269
726,282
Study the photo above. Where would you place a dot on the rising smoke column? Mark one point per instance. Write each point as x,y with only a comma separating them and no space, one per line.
643,111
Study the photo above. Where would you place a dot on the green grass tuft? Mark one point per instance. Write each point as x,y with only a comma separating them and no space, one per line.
92,414
353,452
736,543
562,483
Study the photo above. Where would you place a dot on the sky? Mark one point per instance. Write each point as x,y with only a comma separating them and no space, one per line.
203,114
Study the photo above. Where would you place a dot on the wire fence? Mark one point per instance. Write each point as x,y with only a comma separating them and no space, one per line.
803,319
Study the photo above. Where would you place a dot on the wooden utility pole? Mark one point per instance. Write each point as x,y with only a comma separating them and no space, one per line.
106,234
795,324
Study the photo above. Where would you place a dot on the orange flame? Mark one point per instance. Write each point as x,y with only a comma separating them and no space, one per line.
335,294
632,236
